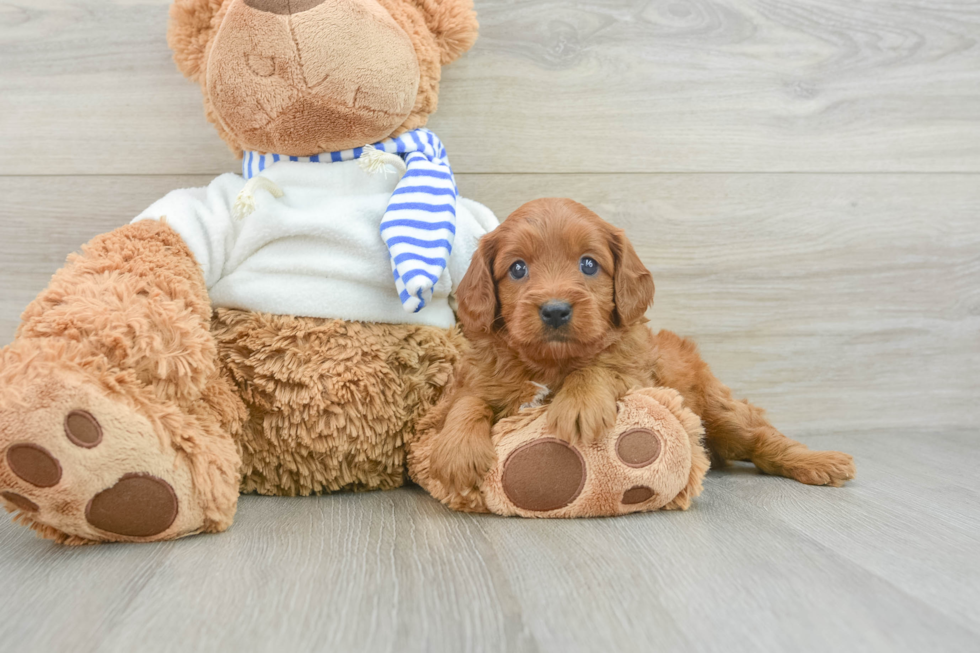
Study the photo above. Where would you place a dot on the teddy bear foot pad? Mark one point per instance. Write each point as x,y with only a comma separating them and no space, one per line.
91,468
549,474
643,464
138,505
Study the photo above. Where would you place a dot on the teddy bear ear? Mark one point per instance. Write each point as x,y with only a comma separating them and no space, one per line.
192,24
453,24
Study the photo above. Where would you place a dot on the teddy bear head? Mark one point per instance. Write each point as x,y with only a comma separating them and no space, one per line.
303,77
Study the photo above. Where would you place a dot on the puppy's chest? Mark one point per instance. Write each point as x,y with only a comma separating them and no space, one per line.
542,394
526,395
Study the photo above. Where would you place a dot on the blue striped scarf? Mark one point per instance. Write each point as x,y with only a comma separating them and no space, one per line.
419,224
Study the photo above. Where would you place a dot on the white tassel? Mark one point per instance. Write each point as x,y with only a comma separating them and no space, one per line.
245,202
373,160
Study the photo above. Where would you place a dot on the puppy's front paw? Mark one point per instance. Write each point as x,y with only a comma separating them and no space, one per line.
574,421
462,464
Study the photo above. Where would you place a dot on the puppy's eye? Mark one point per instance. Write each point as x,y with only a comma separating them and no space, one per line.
518,270
588,266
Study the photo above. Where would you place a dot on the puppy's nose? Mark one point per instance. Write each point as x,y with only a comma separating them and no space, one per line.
286,7
555,313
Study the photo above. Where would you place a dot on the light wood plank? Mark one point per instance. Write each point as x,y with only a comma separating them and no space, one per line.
839,302
732,576
759,564
552,86
923,502
371,572
376,572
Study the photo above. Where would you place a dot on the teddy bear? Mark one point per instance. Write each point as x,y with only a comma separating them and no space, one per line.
278,331
291,330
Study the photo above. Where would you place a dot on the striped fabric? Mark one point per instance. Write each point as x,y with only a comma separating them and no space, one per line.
419,224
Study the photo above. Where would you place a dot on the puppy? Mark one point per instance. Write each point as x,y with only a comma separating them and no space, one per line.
556,296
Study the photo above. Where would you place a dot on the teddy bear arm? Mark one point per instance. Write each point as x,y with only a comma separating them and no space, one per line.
202,217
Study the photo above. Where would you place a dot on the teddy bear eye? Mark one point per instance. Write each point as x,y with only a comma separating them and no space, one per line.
518,270
588,266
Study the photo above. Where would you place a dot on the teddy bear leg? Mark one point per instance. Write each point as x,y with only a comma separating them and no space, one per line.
652,459
116,421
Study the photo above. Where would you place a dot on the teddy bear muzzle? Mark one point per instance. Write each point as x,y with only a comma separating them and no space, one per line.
302,77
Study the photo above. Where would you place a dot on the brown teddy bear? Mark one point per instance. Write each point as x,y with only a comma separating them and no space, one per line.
283,331
258,334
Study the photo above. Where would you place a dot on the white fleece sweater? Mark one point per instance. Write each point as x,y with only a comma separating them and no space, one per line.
316,251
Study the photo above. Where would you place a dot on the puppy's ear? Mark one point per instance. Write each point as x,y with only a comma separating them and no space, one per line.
632,282
476,294
192,25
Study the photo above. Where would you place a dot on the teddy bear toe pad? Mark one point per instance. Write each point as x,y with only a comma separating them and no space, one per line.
83,429
33,464
642,465
91,467
638,447
21,502
637,494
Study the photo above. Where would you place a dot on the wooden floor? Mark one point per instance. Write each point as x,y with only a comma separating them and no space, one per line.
889,563
803,179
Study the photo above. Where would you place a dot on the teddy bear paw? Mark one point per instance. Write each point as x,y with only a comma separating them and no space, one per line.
643,464
81,467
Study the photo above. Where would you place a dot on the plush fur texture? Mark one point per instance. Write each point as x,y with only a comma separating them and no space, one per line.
602,352
123,331
330,402
299,89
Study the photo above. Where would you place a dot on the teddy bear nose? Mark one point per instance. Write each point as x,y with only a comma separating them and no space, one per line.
285,7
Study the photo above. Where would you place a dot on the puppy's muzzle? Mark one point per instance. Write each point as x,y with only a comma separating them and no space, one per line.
555,314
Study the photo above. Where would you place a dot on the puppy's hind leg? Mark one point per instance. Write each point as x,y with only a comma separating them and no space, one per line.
737,430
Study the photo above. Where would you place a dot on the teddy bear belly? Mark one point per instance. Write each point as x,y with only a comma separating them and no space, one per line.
330,402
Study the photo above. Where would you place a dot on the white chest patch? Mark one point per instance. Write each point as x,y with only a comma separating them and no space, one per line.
539,396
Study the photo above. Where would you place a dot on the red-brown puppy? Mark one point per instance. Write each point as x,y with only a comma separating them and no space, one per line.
557,296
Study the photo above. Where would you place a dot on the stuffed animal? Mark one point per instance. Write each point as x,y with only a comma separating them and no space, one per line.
280,331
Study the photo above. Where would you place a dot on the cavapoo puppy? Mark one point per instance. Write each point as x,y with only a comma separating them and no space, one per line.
555,297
